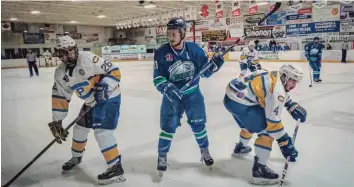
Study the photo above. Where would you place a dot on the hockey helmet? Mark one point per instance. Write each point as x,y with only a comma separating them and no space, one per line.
291,72
68,51
178,23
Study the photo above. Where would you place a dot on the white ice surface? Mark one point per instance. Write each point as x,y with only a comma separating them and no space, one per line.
325,142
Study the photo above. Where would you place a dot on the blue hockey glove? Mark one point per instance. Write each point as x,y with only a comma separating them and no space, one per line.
217,62
287,147
101,93
296,111
171,92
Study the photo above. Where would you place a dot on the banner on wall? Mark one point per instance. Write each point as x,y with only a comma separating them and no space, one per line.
319,4
277,18
219,9
106,50
50,38
303,15
202,25
236,9
347,27
150,35
253,7
115,49
265,32
340,38
33,38
161,30
308,28
268,55
217,35
234,34
347,11
161,39
327,13
252,20
234,22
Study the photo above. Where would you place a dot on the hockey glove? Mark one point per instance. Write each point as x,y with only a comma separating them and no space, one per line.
58,131
216,64
296,111
171,92
101,93
287,147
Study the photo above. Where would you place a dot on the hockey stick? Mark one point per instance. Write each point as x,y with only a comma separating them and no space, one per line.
208,65
276,7
45,149
310,77
288,158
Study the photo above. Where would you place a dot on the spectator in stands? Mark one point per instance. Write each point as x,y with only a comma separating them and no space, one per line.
272,45
278,47
265,47
31,60
258,46
329,47
345,47
286,47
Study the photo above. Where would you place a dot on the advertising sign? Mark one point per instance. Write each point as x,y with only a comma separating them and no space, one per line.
277,18
327,13
303,15
265,32
347,27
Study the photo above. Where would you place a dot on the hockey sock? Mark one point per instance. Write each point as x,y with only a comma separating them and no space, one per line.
79,140
263,147
164,143
200,135
245,137
108,145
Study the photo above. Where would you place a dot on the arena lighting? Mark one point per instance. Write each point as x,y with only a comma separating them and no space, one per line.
150,6
101,16
262,3
13,19
35,12
73,21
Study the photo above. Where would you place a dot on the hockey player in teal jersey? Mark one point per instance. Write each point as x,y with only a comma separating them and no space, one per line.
175,64
313,53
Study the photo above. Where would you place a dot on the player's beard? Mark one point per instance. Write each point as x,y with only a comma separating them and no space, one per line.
176,44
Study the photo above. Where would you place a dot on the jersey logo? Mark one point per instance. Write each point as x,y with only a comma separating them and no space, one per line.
169,57
281,98
181,70
81,72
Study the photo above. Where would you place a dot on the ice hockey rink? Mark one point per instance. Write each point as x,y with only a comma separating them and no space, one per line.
325,142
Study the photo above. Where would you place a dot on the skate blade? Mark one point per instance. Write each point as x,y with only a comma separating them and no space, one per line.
69,171
263,181
239,155
160,173
115,179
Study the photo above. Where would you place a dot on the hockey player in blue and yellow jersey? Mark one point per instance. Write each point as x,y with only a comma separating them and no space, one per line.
256,103
96,81
313,53
175,64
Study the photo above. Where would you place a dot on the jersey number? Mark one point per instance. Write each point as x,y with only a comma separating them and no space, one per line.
276,111
106,65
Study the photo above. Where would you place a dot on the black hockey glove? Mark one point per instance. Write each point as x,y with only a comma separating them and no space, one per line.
58,131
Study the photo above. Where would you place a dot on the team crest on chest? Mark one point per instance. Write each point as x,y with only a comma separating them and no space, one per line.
169,57
81,72
181,70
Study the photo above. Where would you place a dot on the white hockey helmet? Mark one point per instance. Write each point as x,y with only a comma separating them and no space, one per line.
291,72
251,45
68,51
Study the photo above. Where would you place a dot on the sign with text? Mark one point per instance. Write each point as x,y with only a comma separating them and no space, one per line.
217,35
347,27
327,13
303,15
252,20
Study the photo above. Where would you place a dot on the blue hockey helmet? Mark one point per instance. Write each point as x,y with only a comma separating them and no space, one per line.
316,38
178,23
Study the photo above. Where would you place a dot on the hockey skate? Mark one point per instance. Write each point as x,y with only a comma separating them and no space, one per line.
161,165
72,163
318,81
112,174
263,175
206,158
241,150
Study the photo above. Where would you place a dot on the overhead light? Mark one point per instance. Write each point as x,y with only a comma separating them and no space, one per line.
13,19
150,6
24,31
101,16
66,32
41,28
73,21
262,3
35,12
149,19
